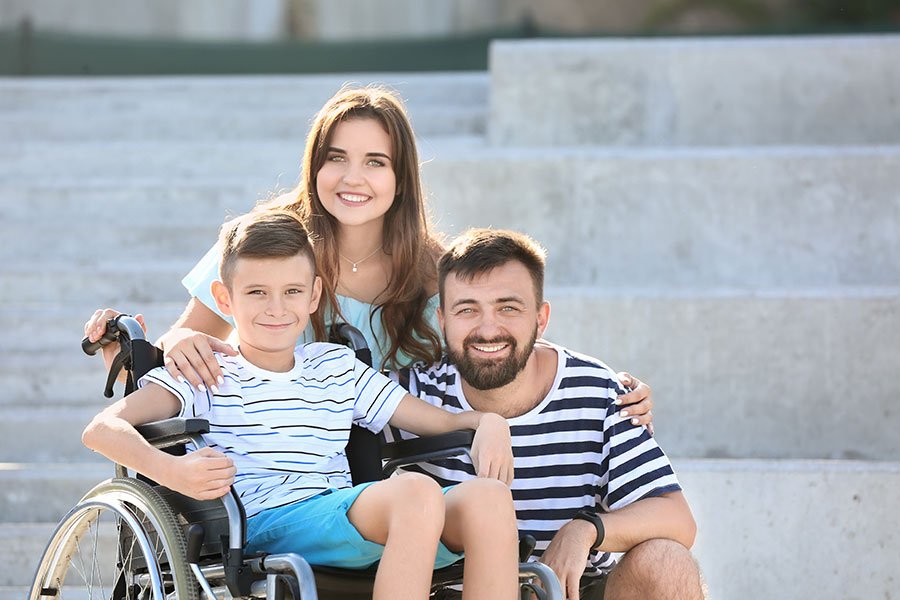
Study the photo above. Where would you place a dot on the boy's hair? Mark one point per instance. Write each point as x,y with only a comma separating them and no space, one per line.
478,251
262,234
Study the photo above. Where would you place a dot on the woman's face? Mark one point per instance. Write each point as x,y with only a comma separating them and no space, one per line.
356,183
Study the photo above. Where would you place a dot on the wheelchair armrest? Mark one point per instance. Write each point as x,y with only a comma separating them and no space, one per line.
408,452
171,432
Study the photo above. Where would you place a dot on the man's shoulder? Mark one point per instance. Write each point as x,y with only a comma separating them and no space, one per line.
435,382
577,364
440,373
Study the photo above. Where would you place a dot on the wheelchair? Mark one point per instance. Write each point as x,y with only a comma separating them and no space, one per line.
129,538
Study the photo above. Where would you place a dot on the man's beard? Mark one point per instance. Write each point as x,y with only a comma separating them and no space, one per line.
491,374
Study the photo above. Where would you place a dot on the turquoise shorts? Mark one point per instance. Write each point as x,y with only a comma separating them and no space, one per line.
318,529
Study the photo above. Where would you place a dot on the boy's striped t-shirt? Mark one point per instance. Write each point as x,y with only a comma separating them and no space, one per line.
286,432
572,451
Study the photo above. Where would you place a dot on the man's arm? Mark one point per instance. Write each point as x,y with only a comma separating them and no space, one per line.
204,474
666,516
491,448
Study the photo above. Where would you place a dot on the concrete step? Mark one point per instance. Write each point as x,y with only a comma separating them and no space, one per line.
47,434
787,375
782,374
776,529
126,205
195,123
774,217
132,282
231,93
696,91
47,331
795,521
34,492
687,218
85,245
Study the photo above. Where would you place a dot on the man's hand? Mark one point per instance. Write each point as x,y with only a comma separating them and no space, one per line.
568,553
202,475
492,449
637,403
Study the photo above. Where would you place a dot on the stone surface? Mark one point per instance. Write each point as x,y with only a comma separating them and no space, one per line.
780,376
696,92
779,529
796,522
746,219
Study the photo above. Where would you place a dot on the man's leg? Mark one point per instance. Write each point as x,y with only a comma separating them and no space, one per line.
406,515
481,522
655,569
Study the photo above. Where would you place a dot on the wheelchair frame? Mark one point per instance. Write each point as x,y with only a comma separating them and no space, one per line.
162,554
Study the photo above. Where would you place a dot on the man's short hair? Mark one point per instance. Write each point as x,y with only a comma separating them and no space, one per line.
262,234
478,251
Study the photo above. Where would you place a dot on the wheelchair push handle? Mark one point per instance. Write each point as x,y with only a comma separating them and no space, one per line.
122,325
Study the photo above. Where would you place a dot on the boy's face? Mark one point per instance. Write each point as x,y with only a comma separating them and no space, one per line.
271,300
490,324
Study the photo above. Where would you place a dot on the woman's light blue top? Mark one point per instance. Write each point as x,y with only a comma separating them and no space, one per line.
356,313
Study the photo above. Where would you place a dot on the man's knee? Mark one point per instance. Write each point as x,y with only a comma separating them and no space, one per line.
657,568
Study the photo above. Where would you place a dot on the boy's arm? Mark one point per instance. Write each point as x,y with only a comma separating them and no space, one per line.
204,474
491,448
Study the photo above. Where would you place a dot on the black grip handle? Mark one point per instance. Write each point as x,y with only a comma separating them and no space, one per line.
116,328
195,534
111,335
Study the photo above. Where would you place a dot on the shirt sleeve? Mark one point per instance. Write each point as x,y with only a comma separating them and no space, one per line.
199,281
638,468
193,402
377,397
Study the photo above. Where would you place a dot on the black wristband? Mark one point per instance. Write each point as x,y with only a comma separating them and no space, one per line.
593,518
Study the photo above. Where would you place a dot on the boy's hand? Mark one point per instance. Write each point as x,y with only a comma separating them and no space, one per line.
202,475
492,449
188,355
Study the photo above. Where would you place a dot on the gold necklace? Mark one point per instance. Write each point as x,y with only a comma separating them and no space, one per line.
356,263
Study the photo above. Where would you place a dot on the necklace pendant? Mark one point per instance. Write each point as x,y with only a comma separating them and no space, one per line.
354,268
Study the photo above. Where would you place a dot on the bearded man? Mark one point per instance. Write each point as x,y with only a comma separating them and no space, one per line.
588,481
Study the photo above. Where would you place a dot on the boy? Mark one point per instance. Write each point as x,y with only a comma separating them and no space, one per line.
280,420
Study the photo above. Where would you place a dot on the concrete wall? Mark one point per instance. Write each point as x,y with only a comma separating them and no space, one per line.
701,92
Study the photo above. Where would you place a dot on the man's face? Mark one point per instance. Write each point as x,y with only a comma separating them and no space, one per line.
271,300
491,323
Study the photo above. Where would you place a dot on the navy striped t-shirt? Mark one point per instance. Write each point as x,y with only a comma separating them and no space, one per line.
572,451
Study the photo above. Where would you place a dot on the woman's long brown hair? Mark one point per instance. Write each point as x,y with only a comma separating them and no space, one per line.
408,241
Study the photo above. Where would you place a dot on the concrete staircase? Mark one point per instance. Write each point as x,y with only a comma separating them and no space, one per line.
722,217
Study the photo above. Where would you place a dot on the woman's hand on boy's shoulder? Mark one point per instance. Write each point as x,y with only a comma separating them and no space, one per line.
189,356
492,449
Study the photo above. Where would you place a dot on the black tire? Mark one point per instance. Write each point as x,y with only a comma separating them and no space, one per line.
102,548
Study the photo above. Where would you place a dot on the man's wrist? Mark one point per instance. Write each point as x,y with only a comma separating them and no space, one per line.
595,520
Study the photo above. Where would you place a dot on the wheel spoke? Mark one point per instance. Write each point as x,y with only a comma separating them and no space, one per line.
124,530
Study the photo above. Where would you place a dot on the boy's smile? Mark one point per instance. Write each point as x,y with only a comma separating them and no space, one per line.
270,300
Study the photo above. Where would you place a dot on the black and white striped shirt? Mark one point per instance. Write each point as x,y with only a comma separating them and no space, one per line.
572,451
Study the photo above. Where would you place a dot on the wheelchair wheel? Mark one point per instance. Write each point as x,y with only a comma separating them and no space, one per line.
120,542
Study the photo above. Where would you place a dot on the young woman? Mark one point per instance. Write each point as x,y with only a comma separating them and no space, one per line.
361,198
